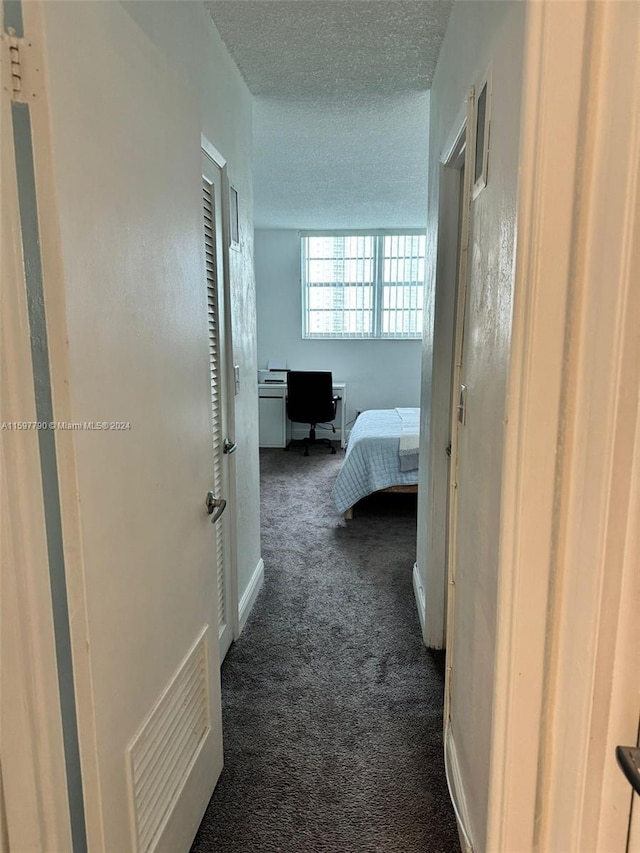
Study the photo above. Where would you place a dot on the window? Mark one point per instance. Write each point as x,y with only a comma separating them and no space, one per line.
363,285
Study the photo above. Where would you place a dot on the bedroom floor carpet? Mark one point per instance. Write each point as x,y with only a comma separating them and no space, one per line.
332,706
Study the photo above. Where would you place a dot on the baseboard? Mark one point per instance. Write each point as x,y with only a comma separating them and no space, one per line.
456,792
250,594
418,591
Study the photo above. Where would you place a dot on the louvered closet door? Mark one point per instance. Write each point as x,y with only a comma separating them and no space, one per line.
211,203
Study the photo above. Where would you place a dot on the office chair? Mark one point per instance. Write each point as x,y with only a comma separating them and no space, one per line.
310,400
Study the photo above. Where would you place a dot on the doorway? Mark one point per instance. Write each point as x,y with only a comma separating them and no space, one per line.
448,416
453,241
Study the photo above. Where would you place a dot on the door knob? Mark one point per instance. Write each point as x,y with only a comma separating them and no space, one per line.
229,446
215,506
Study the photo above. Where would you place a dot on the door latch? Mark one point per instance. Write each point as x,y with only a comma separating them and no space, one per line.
462,405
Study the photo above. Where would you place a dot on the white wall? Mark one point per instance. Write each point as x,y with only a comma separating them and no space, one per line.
379,374
478,33
341,161
185,34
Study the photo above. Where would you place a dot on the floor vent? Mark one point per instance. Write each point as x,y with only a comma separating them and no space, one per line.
163,752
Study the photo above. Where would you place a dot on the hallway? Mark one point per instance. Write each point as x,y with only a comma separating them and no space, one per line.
332,705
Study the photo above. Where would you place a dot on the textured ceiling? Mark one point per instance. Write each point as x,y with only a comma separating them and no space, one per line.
312,48
341,109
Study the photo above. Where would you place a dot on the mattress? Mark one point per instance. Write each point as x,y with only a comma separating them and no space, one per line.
372,461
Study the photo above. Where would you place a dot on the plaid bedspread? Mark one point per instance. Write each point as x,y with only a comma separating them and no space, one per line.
372,460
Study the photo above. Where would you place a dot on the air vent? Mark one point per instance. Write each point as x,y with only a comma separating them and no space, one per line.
164,750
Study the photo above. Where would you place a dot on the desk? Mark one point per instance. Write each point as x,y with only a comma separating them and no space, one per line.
276,430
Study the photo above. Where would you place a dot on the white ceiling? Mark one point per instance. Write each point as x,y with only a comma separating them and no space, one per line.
341,110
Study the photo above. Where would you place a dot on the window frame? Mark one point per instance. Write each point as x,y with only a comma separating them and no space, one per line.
377,283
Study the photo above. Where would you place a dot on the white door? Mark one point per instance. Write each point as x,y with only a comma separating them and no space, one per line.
118,179
223,447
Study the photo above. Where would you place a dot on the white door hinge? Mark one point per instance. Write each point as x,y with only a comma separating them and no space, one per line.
16,70
21,69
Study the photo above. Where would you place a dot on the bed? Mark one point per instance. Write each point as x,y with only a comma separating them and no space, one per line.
381,455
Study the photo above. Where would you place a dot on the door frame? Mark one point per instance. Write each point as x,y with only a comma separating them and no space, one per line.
458,155
230,383
34,788
462,151
569,527
450,271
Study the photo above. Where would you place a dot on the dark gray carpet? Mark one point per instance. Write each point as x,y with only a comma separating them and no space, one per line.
332,705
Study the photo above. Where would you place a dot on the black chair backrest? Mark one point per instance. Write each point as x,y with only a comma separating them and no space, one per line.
310,396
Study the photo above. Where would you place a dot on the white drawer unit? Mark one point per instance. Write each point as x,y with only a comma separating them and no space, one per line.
275,429
274,426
